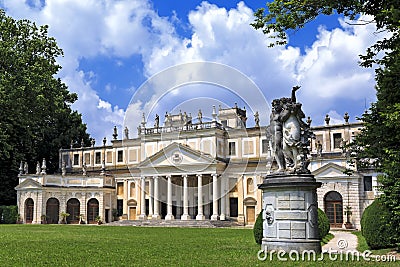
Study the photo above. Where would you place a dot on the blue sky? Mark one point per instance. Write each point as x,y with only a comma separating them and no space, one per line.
112,47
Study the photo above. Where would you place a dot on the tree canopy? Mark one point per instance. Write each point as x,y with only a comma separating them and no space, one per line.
379,142
36,118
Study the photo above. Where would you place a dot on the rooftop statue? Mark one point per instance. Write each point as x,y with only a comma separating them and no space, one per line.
290,136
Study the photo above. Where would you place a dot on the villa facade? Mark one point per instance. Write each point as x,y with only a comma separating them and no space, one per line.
188,169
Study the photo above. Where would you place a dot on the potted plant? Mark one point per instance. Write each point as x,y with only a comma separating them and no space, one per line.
98,220
81,220
64,216
348,213
44,219
19,219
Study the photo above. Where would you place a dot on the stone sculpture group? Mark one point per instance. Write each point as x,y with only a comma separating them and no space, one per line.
290,136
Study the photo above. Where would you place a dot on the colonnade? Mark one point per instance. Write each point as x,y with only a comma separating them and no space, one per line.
219,192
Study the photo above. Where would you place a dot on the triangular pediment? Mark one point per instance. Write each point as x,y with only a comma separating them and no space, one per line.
28,183
329,170
177,155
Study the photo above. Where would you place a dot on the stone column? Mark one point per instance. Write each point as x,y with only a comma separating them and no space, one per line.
142,215
185,215
222,216
169,215
200,216
156,214
125,195
150,198
214,216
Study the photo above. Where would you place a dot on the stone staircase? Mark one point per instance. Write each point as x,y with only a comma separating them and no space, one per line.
176,223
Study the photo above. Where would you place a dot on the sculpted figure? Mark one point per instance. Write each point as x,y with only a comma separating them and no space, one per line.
290,135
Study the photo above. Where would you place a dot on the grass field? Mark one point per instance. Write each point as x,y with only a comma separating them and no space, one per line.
80,245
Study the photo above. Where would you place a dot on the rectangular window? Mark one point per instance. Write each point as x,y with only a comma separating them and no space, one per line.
120,189
109,157
264,146
133,155
367,183
76,159
87,158
232,148
337,140
98,158
120,156
248,148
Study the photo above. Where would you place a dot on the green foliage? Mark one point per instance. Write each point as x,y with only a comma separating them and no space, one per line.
258,228
323,224
35,115
375,226
9,214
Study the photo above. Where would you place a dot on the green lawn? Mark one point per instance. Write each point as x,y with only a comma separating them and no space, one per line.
82,245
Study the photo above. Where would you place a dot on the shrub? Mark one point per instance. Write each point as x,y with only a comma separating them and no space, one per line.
323,224
9,214
258,228
375,226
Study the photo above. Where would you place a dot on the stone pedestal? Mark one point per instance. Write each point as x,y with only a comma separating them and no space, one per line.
290,215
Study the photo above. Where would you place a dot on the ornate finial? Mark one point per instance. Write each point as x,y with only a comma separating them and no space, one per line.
63,169
308,121
143,121
214,113
139,130
26,169
115,134
257,119
219,107
327,119
126,132
346,117
21,168
38,168
82,143
93,141
236,106
84,168
72,144
104,141
103,167
43,166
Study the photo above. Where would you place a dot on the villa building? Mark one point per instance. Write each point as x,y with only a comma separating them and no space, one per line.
188,169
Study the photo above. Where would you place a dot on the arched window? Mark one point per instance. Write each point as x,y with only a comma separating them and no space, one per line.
52,210
333,203
73,208
29,205
92,210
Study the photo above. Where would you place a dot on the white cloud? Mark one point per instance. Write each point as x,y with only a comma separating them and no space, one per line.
328,71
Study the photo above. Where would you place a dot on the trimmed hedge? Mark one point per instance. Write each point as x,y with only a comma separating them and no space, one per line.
258,228
323,224
8,214
375,226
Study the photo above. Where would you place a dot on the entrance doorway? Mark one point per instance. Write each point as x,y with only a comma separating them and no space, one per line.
233,206
73,207
334,208
132,213
92,210
52,210
29,210
250,214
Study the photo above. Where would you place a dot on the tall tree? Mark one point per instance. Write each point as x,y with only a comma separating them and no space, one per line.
36,119
379,142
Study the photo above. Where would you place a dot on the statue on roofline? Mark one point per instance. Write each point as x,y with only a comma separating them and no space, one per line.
290,136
